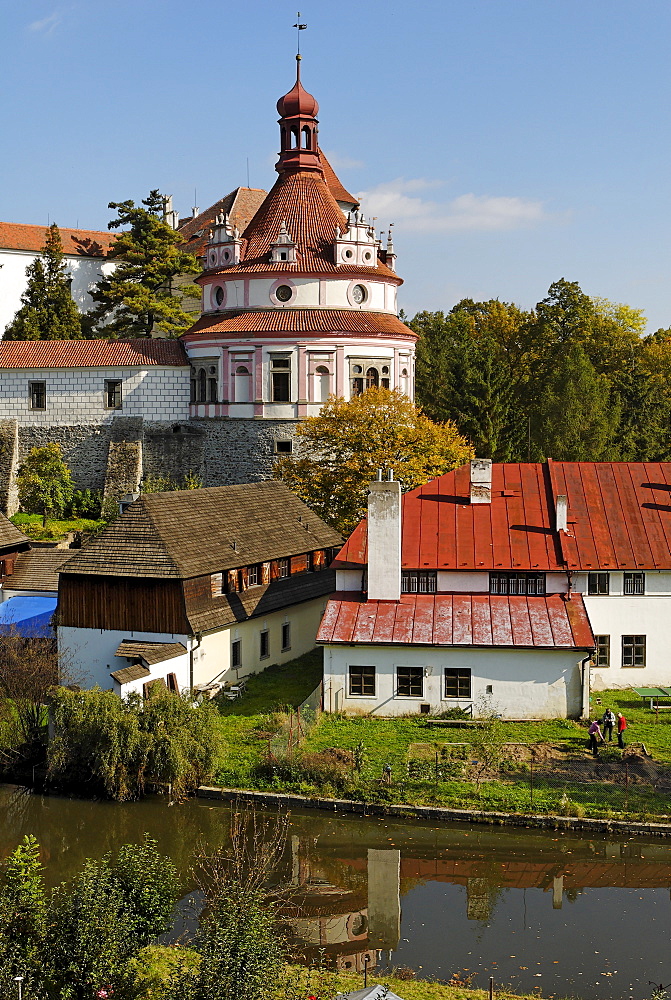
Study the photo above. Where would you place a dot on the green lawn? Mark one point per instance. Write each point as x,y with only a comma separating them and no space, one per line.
31,525
246,725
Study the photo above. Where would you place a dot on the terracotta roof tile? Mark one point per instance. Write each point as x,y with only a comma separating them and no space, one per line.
337,190
76,242
549,622
240,205
337,322
91,353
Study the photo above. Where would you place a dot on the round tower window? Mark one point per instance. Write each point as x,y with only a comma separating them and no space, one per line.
219,295
359,294
367,255
213,260
283,293
226,254
357,369
348,254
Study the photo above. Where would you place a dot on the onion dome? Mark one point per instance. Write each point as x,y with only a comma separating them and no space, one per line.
297,103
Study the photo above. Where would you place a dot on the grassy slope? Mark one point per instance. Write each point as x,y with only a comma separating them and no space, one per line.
31,525
387,741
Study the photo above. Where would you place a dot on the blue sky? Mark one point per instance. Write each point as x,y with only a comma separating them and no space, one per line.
512,142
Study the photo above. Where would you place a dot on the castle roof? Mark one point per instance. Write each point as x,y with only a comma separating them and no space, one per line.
240,205
333,322
76,242
91,353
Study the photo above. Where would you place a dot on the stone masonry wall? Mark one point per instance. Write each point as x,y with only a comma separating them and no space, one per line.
238,450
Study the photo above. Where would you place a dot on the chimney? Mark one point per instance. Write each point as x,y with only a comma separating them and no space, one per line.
561,513
195,212
481,480
384,540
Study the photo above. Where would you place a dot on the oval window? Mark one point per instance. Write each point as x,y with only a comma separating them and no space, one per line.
219,295
359,294
349,253
213,260
227,254
367,255
283,293
357,369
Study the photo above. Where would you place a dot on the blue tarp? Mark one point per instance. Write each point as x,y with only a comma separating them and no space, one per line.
27,617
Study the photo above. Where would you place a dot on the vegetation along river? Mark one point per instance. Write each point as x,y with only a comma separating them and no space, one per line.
551,911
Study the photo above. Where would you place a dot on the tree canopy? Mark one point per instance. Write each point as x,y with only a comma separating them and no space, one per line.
47,310
341,449
141,293
44,481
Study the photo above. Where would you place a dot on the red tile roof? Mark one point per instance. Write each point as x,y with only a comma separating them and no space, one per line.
336,322
303,200
337,190
619,517
91,353
550,622
76,242
240,205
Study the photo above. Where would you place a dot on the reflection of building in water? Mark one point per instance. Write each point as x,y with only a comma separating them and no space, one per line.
384,899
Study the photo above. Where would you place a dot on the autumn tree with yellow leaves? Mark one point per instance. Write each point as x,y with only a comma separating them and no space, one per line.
340,451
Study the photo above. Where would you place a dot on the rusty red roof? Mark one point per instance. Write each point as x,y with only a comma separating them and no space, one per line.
549,622
619,517
91,353
335,322
76,242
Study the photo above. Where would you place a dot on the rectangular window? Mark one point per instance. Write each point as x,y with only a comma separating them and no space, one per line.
634,583
38,395
280,379
236,653
253,576
362,681
598,583
264,644
282,568
217,584
633,650
419,581
517,583
602,651
284,447
113,393
457,683
286,636
410,682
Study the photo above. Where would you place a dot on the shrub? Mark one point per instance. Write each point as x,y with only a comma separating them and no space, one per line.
316,769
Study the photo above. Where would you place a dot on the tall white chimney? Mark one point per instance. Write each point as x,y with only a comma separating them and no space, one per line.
384,540
481,480
561,513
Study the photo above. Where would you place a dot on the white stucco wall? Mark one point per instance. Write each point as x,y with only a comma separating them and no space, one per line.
525,683
85,272
86,656
77,395
307,293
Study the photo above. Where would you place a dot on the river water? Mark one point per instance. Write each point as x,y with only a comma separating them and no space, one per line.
568,915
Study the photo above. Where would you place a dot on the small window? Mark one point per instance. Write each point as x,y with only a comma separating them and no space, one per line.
530,584
280,379
410,682
284,447
634,583
217,584
286,636
236,653
219,295
283,293
264,644
633,650
113,393
362,681
457,683
419,581
282,568
253,576
602,651
38,395
598,583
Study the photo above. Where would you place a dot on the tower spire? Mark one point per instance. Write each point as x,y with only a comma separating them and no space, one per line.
298,124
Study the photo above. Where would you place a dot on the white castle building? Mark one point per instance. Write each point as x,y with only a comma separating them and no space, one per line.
299,305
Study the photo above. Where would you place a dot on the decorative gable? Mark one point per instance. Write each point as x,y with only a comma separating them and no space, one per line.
358,245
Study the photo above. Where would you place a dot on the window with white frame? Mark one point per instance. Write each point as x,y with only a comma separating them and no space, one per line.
601,650
598,584
517,583
283,568
286,636
361,681
264,644
457,682
419,581
410,682
113,393
633,650
236,653
253,575
634,583
37,393
280,378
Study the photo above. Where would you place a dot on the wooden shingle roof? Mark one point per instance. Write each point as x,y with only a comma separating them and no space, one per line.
132,673
191,533
150,652
37,570
10,536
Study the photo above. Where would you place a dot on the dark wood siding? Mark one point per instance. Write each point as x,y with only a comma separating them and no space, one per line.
112,602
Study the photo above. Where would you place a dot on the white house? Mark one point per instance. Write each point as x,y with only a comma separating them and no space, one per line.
195,588
499,582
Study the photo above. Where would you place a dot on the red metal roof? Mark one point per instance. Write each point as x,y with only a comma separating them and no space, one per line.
619,517
76,242
91,353
291,321
550,622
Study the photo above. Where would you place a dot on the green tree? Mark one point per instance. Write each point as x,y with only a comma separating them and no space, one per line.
341,449
47,310
140,295
23,908
44,482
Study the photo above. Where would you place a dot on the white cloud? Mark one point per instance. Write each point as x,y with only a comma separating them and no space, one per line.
47,24
396,201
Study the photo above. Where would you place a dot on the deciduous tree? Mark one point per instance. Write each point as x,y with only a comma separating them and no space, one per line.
44,482
341,449
47,311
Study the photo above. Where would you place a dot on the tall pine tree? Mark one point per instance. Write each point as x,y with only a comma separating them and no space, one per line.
47,310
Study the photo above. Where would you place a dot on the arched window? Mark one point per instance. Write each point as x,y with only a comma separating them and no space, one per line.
202,386
296,141
242,384
307,137
322,384
372,378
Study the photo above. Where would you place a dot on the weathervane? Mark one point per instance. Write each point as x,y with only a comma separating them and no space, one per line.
301,27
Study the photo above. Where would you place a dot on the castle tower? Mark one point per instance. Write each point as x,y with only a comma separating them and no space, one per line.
302,304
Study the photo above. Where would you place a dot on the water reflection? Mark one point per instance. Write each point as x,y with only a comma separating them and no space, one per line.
575,915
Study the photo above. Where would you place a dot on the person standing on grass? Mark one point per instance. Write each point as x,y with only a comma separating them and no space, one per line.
594,737
608,723
621,726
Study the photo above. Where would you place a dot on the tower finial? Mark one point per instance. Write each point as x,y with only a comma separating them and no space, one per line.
300,27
